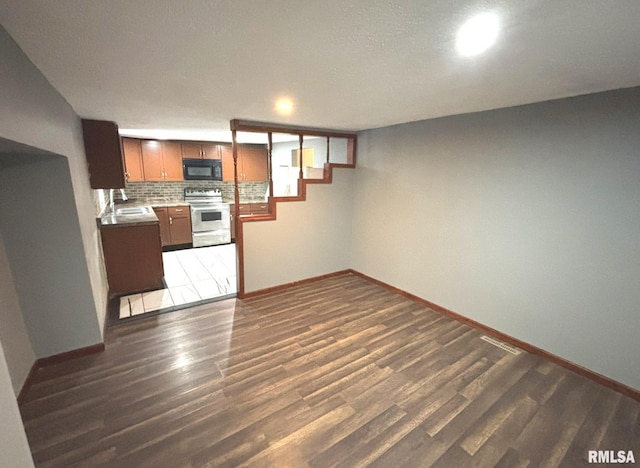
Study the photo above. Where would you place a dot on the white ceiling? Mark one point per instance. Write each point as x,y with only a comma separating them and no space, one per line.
192,65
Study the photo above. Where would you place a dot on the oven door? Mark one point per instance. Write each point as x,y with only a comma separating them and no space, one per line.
210,224
207,238
210,217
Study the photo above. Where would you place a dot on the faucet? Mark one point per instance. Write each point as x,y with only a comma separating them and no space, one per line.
111,202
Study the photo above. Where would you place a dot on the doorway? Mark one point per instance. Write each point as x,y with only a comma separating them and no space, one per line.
192,276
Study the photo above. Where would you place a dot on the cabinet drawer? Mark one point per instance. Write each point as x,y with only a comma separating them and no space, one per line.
245,209
259,208
177,211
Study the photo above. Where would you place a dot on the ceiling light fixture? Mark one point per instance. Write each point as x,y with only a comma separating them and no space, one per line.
284,106
477,34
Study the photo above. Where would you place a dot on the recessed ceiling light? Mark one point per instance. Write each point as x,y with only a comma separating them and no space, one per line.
284,106
477,34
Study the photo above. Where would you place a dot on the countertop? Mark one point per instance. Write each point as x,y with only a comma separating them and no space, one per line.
166,204
110,219
248,200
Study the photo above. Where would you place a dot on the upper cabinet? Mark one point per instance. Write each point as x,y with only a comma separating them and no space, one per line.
252,164
162,161
134,169
227,164
104,154
192,150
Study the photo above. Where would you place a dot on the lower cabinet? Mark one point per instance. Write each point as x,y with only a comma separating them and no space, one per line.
132,257
259,208
175,224
247,209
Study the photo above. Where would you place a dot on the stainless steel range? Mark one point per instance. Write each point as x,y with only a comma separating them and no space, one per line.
210,217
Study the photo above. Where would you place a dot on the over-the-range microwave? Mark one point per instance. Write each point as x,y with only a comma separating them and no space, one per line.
202,169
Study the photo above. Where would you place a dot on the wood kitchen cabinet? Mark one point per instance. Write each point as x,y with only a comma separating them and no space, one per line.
132,257
191,150
247,209
252,209
227,166
180,224
162,161
252,164
259,208
104,154
134,169
175,224
163,216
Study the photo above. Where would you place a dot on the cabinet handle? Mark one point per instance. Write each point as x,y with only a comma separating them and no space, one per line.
170,220
179,210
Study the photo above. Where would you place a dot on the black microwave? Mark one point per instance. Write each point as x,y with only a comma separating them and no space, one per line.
202,169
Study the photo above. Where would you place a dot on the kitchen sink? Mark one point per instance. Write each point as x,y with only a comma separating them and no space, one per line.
133,211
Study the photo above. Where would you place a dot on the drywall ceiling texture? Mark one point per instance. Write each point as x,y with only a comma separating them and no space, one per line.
523,219
309,238
346,64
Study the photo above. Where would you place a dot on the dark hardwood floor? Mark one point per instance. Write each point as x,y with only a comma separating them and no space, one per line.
339,372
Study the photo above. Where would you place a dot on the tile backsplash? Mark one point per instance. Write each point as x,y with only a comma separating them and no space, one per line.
174,191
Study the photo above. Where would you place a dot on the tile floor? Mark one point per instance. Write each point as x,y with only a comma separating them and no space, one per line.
191,275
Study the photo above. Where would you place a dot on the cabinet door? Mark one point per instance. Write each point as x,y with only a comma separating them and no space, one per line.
152,160
104,154
227,163
191,150
163,216
172,161
180,230
180,224
132,160
211,151
254,164
133,258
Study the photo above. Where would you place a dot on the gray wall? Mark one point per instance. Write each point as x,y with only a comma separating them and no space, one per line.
43,242
14,448
34,114
13,332
309,238
524,219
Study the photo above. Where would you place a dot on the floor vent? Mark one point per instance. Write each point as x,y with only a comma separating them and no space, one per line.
501,345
